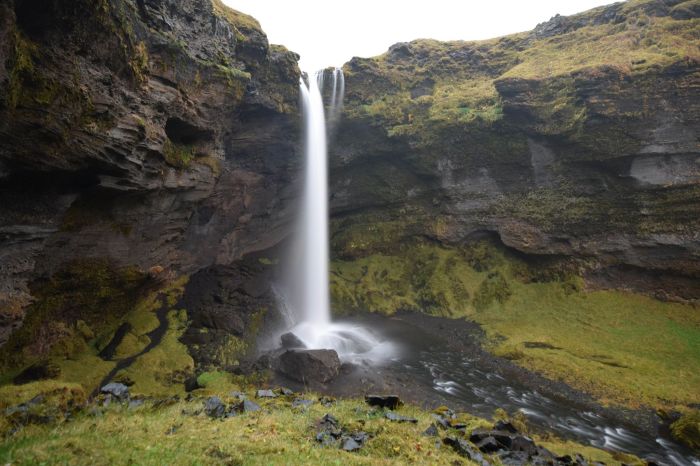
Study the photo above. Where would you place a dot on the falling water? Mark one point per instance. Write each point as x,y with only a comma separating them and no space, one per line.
314,326
315,297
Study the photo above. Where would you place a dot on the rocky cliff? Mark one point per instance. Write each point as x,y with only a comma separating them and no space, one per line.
545,185
140,141
578,139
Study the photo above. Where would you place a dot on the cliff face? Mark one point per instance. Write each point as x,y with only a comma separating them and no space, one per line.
135,135
577,140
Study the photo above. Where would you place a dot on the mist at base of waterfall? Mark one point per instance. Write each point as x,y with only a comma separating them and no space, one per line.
353,342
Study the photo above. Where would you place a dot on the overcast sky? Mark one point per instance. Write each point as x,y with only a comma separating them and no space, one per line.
329,33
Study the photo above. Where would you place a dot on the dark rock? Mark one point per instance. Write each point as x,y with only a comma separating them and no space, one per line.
394,417
431,431
524,444
117,390
384,401
310,365
265,394
191,384
214,407
248,406
326,400
489,445
463,448
286,391
349,444
39,371
291,341
505,426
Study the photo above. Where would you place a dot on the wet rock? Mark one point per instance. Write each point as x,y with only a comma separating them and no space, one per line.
39,371
291,341
265,394
214,407
310,365
394,417
384,401
117,390
431,431
463,448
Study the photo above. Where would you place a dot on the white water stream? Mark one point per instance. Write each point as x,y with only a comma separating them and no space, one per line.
312,320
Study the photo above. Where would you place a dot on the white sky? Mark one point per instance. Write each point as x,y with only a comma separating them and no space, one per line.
329,33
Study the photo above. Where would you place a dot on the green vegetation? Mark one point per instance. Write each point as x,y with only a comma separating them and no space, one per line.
420,88
687,429
77,314
624,348
178,433
244,24
178,155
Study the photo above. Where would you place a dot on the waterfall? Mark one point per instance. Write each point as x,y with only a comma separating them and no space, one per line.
314,244
312,317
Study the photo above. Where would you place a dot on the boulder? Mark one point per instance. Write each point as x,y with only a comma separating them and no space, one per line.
117,390
265,394
290,341
394,417
303,365
383,401
214,407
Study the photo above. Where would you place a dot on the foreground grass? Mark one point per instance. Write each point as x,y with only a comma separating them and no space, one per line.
278,434
622,347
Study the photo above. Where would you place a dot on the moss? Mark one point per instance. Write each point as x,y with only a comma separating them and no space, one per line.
494,289
687,430
21,68
278,434
163,370
178,155
621,347
89,290
139,63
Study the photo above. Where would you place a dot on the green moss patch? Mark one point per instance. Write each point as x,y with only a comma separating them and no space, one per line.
622,347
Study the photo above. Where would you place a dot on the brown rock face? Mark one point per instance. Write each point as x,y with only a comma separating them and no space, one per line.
148,133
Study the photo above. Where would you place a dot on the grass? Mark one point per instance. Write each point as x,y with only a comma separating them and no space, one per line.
464,75
624,348
278,434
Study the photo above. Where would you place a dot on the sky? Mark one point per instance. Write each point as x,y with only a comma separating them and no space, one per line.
329,33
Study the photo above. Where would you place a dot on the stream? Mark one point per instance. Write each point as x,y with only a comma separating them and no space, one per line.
427,366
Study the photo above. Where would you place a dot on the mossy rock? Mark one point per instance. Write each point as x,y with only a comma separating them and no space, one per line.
687,430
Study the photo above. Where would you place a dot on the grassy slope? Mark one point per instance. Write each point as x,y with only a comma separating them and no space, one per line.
623,348
464,73
279,434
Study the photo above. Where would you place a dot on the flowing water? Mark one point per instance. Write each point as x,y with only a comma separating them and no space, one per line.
311,320
461,379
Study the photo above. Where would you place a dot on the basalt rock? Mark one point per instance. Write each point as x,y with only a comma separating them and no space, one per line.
307,366
168,148
594,162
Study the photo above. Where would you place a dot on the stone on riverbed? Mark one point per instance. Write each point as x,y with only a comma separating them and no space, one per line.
320,365
383,401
